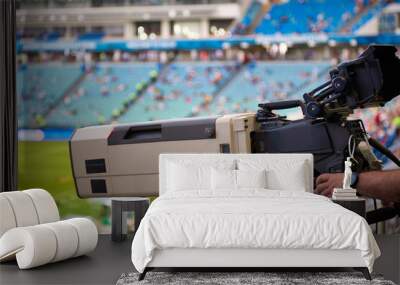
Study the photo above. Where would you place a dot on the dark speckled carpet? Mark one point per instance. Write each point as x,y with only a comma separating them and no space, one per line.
225,278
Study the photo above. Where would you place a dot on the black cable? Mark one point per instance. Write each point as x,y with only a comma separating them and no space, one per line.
382,214
384,150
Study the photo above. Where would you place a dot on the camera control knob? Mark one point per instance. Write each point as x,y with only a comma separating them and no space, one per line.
339,83
313,109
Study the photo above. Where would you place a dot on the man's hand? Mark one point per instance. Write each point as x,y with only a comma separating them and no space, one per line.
326,182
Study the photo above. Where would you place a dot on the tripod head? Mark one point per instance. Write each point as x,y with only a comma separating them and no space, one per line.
368,81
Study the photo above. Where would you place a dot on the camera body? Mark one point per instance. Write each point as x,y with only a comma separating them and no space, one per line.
327,140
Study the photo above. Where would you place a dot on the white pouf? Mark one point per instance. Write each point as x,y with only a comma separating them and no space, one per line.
7,220
87,235
45,205
33,246
31,233
67,239
23,208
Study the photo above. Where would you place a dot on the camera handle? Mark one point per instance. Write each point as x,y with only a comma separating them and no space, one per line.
314,100
281,105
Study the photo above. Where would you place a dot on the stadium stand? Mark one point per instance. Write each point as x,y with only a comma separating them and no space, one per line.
109,91
39,86
305,16
266,81
371,12
179,89
252,10
101,93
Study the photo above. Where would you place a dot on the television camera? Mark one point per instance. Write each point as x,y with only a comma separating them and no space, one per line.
122,159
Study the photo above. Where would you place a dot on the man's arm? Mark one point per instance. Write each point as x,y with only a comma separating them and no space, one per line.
384,185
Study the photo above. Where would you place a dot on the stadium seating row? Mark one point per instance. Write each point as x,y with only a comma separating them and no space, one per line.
39,86
267,81
368,15
181,89
102,91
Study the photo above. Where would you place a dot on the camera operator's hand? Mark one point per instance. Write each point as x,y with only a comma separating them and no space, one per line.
384,185
326,182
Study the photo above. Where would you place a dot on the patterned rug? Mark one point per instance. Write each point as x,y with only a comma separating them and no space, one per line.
242,278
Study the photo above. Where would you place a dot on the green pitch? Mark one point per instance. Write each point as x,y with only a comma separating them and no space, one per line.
46,165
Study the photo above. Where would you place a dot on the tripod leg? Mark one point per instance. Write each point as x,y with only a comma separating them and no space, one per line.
364,271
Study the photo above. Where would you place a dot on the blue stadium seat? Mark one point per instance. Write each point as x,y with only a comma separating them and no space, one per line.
305,16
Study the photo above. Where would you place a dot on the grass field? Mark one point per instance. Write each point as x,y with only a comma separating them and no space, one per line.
46,165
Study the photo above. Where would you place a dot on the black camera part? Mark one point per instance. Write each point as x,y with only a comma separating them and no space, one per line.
324,130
